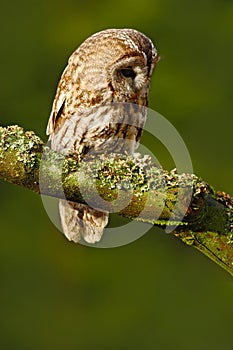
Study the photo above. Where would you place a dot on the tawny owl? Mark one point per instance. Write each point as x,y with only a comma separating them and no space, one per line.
110,70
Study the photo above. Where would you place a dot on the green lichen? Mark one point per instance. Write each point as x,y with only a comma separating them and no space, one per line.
19,155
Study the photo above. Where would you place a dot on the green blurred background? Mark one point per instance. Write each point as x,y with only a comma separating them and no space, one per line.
155,293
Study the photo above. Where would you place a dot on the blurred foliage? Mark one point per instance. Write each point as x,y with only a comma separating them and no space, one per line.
156,292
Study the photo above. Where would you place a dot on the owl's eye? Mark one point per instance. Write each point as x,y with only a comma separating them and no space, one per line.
128,73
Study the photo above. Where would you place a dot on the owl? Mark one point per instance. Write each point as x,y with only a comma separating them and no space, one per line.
100,105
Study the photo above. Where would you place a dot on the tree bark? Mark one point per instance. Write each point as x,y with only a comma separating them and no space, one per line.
181,203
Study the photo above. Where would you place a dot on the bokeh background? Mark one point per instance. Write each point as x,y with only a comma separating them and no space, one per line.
155,293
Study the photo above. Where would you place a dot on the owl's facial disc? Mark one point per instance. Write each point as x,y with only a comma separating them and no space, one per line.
135,77
129,78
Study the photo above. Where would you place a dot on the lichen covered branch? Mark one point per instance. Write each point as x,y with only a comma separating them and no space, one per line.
203,218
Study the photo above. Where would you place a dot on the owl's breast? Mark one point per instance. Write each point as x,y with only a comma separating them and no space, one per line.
108,128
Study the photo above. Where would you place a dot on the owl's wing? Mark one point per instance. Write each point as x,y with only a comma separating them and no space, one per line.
64,86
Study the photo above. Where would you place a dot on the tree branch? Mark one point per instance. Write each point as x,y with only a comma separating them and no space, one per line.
157,196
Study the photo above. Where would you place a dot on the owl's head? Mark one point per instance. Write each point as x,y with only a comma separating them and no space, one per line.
116,65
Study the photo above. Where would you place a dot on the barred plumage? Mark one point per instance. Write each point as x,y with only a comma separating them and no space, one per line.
100,98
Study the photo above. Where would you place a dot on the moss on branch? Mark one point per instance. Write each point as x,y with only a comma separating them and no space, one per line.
207,225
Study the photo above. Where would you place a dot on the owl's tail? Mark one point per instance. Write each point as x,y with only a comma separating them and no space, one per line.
81,221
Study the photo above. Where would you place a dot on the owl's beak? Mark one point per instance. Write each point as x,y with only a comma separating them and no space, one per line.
156,59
